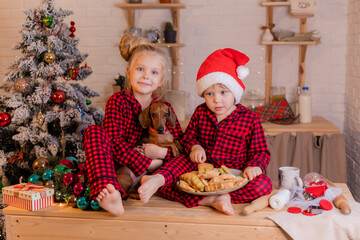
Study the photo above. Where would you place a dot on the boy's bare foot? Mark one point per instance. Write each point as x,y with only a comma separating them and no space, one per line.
149,185
110,200
220,202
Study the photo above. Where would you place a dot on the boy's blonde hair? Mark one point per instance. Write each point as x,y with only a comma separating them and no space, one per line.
132,46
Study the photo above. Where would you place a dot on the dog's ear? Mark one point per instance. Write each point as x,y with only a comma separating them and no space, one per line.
172,118
144,118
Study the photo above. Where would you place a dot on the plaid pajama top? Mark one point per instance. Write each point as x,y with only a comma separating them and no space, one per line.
121,122
238,141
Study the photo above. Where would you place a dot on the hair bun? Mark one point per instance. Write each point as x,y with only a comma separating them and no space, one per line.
128,44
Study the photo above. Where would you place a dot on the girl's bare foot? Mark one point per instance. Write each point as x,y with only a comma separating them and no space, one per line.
110,200
220,202
149,185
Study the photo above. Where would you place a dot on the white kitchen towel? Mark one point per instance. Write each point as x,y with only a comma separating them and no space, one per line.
330,225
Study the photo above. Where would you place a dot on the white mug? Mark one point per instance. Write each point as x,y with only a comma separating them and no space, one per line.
289,176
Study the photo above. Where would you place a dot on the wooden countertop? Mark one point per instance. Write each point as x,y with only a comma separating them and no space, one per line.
318,127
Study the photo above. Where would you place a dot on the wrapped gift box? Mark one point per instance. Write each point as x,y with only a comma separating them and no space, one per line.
28,196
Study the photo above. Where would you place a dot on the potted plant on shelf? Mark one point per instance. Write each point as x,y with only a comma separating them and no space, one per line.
119,83
169,33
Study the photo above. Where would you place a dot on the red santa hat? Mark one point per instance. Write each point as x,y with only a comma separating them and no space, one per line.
225,66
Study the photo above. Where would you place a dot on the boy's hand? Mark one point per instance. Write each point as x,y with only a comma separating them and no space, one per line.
197,154
252,172
153,151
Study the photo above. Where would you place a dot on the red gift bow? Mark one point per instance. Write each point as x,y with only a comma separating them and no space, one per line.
18,156
29,187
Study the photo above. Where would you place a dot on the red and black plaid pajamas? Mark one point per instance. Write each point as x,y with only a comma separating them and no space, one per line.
237,142
112,145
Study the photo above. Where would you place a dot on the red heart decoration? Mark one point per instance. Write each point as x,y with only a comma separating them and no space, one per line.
316,191
73,73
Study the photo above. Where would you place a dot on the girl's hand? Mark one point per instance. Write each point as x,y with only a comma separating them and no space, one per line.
155,164
197,154
252,172
153,151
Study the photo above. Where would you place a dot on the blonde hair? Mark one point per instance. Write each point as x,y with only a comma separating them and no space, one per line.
132,46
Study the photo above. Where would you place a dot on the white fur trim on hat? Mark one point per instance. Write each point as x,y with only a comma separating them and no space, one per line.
242,72
223,78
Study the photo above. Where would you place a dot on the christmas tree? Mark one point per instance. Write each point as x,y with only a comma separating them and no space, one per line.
47,110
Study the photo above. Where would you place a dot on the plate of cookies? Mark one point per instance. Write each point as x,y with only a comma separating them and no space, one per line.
208,181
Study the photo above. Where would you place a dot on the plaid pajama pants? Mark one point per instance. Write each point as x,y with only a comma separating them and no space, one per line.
259,186
99,165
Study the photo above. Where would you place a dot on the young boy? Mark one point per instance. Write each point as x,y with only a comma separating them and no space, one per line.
223,132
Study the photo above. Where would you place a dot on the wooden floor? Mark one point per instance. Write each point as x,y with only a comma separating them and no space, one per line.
158,219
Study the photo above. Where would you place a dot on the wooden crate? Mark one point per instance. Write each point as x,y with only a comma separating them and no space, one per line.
158,219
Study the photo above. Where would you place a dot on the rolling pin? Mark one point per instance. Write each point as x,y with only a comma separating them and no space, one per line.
340,201
258,204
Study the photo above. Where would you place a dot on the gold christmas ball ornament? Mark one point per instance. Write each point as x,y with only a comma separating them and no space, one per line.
49,57
40,119
49,184
21,85
40,164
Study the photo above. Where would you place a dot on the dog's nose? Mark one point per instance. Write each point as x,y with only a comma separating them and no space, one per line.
161,129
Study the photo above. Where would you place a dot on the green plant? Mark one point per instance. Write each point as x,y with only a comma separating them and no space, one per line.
120,81
169,26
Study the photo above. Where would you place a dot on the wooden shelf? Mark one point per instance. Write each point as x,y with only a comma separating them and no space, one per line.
151,5
174,47
169,45
269,47
288,43
275,4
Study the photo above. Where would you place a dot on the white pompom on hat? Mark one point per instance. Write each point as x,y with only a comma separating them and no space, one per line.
225,66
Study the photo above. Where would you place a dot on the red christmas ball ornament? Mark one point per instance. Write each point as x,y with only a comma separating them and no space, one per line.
73,73
5,119
78,188
67,163
81,168
58,96
72,29
68,178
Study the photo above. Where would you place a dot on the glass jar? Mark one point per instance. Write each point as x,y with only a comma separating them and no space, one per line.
252,99
277,93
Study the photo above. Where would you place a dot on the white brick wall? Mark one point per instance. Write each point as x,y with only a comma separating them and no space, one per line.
205,26
352,100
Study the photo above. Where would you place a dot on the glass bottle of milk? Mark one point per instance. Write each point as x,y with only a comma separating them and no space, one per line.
305,105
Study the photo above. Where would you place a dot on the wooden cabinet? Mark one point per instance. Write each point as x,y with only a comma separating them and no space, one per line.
269,47
174,47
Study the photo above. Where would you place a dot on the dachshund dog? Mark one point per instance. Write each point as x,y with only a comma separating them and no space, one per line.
155,118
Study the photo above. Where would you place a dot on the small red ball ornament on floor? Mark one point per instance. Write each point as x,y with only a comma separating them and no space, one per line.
72,29
58,96
5,119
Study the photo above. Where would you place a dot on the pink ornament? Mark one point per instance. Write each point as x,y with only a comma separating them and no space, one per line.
68,178
67,163
78,188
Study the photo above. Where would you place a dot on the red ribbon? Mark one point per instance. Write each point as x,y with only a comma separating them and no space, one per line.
18,156
28,187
